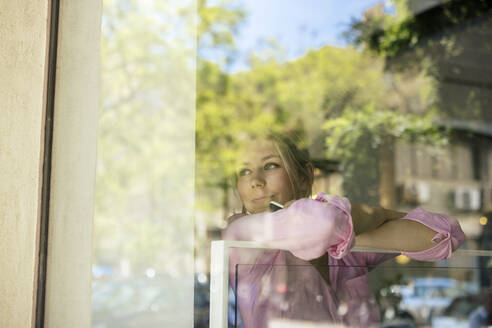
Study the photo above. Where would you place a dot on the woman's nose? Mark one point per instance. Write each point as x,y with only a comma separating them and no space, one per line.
257,180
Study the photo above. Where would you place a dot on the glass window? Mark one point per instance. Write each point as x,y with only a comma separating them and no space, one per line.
211,110
389,98
143,228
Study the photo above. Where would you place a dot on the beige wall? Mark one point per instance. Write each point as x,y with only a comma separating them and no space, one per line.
23,25
23,40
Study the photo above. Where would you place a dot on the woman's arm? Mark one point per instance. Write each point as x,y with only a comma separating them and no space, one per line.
367,218
420,234
378,227
400,235
308,228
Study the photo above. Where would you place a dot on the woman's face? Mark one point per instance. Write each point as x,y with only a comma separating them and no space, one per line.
262,177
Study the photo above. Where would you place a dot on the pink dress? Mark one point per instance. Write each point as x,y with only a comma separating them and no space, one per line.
282,284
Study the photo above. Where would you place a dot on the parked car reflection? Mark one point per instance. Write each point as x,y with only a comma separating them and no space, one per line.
429,297
457,314
392,315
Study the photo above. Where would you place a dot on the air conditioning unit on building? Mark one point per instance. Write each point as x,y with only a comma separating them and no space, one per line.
467,199
415,192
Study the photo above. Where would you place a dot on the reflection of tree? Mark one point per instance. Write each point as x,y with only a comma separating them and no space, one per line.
351,105
450,41
144,191
390,35
143,177
445,43
343,96
365,139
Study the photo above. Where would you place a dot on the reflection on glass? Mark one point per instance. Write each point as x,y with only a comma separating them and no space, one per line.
394,113
297,295
143,226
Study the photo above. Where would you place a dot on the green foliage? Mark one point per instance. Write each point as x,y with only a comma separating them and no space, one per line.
144,176
355,138
349,90
343,97
389,35
295,96
218,24
344,130
144,186
436,41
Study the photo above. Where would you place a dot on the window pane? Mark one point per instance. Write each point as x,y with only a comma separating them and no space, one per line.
391,101
389,295
143,237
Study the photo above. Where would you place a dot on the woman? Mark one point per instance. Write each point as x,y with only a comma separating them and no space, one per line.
313,276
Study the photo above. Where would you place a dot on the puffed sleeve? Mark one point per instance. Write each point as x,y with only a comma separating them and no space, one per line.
448,238
308,228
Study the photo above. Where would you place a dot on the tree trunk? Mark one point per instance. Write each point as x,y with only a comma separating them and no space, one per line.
387,189
225,199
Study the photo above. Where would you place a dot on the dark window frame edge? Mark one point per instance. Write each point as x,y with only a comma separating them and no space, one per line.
49,110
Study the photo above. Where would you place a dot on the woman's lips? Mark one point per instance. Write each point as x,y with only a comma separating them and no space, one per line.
261,199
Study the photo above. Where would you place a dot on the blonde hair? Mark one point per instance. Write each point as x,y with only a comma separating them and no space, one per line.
296,161
297,164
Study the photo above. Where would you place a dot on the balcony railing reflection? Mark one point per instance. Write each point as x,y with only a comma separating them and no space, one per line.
414,294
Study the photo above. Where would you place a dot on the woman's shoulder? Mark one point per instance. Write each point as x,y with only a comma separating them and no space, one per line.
234,217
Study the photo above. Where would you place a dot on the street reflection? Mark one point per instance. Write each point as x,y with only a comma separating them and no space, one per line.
154,301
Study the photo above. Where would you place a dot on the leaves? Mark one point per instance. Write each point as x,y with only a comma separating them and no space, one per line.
342,99
144,176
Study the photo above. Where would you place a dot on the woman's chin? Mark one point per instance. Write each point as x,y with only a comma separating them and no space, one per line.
259,209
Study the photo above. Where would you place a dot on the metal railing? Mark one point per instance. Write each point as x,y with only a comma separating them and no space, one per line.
219,273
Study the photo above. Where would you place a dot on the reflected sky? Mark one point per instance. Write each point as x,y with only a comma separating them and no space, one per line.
296,26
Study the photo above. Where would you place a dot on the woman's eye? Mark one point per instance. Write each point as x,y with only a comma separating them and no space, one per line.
244,172
270,166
